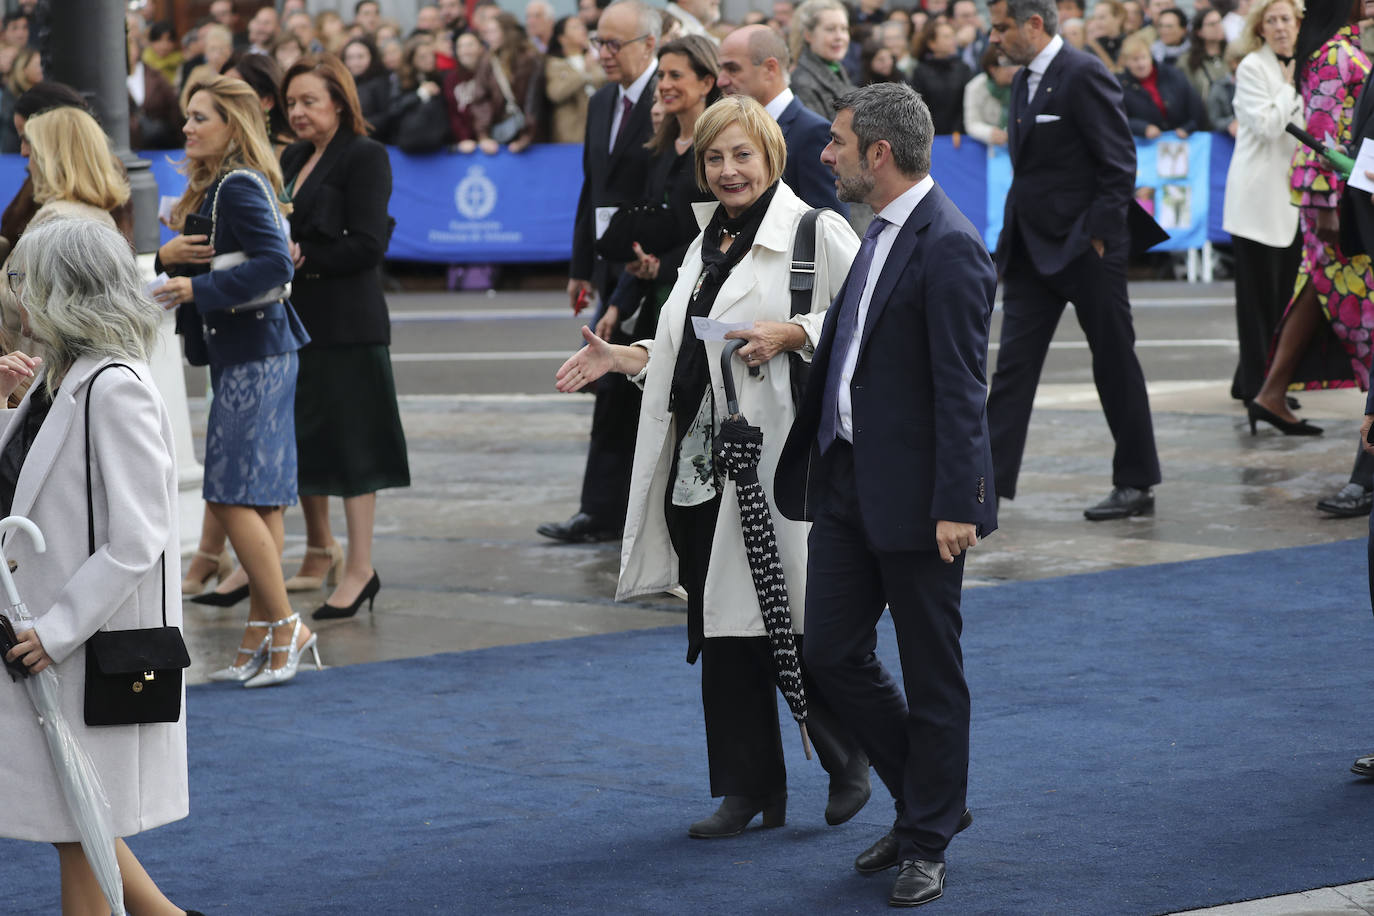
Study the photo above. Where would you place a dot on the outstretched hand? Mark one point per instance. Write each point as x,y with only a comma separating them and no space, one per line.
15,367
586,365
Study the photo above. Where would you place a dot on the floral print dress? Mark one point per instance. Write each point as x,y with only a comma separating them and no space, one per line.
1339,355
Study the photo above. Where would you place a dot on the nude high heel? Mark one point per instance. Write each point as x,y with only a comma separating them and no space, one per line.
224,564
299,583
270,676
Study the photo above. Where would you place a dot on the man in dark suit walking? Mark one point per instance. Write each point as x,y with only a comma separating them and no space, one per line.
615,168
1065,239
754,62
889,456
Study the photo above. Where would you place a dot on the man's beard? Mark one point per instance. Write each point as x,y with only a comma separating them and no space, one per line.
855,190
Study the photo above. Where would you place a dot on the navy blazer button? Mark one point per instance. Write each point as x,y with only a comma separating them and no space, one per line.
214,330
259,316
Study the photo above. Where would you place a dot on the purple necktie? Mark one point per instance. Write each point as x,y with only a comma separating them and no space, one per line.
626,106
845,327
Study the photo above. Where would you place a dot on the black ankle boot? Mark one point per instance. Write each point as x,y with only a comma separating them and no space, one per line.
849,791
735,813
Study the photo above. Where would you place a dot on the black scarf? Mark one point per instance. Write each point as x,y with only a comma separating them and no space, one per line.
691,376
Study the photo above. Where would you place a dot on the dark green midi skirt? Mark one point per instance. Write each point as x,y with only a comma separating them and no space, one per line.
349,440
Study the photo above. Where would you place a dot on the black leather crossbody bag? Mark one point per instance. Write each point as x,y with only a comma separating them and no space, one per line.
133,677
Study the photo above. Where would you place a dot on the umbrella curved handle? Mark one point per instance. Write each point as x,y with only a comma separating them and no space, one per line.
26,525
727,377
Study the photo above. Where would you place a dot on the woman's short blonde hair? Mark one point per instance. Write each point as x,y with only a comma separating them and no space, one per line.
757,123
1250,37
71,159
1134,44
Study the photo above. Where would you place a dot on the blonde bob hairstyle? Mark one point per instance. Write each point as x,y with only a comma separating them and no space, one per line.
71,160
84,295
1251,36
756,123
1134,45
248,147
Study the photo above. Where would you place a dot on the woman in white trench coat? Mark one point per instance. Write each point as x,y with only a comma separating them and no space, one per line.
81,299
683,522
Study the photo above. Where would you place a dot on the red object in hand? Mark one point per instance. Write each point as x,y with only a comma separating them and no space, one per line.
584,297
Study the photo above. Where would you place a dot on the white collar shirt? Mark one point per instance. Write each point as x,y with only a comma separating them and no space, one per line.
1036,68
779,104
896,213
633,93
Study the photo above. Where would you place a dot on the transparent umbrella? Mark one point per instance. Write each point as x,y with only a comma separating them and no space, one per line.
85,796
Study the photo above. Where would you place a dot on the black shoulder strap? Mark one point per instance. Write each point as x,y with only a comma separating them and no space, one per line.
804,262
90,492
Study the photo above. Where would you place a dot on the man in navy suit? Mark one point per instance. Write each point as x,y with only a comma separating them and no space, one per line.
615,171
890,457
1065,239
754,62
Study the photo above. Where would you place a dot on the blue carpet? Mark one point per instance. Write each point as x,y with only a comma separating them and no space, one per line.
1144,740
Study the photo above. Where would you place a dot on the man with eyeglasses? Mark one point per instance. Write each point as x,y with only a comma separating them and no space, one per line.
615,168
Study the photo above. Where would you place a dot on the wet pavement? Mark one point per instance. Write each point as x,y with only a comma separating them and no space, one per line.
494,452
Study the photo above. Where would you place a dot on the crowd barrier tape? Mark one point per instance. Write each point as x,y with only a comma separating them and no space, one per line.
473,208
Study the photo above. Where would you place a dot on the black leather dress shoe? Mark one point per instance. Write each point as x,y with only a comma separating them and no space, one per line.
1351,501
735,813
1364,766
918,882
883,854
1122,503
580,529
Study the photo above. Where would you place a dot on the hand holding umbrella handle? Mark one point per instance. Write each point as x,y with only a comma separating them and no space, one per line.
6,577
728,378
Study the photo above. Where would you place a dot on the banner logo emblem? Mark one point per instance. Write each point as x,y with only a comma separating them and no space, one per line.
475,195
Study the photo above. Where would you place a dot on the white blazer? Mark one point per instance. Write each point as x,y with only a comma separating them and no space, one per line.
757,289
72,593
1257,205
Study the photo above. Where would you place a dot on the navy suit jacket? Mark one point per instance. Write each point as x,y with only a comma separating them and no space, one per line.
806,134
1074,171
921,448
227,334
610,178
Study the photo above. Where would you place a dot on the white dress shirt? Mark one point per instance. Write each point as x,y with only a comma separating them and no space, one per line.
1036,68
633,93
896,213
779,104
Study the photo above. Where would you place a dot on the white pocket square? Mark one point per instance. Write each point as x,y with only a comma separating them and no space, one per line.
1046,119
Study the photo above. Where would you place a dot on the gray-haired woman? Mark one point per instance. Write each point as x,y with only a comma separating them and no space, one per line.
80,297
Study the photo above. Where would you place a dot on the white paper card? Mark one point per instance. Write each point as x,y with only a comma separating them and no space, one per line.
603,219
165,203
156,283
1364,162
711,329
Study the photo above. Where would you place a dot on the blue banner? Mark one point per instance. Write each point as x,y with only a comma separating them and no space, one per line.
473,209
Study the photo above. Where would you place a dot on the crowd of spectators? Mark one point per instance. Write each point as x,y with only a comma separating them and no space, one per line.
489,80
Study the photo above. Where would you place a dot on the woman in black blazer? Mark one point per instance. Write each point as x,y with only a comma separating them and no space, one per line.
348,427
1158,97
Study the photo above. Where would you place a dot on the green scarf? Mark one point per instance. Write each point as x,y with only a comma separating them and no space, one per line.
1003,96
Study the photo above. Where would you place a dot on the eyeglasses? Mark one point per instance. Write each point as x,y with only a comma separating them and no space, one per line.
613,44
15,278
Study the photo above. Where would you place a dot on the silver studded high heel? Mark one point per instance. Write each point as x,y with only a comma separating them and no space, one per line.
255,662
270,676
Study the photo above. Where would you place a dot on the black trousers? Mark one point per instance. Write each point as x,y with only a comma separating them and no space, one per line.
1264,284
1031,307
739,687
916,735
611,452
